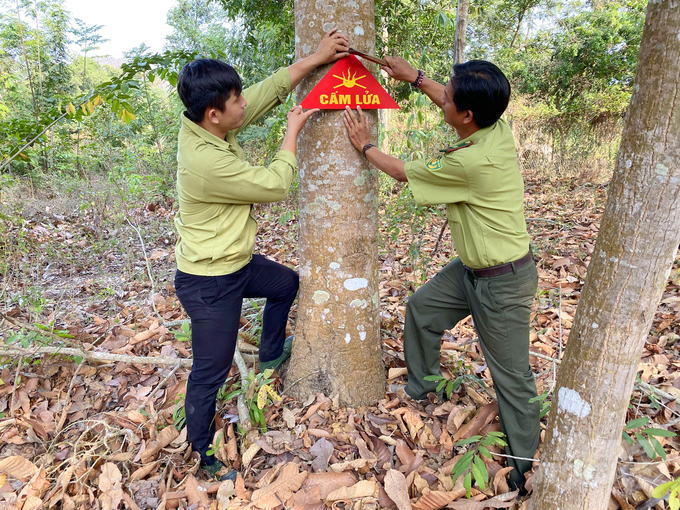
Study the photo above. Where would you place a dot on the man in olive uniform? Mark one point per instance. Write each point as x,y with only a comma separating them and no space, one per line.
217,187
494,277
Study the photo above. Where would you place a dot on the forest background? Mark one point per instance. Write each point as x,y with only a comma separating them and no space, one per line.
87,172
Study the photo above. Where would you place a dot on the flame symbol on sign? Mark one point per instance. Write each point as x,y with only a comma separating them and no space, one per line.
349,81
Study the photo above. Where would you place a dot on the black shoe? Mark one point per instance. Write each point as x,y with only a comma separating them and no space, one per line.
219,471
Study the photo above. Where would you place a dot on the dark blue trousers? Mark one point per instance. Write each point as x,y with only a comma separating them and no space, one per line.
214,305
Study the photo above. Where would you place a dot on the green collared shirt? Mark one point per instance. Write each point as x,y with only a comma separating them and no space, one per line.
216,187
481,184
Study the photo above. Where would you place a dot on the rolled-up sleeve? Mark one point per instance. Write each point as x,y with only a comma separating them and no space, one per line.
440,180
266,95
234,181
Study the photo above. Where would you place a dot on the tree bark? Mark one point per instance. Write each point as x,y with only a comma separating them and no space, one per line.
632,260
461,26
337,334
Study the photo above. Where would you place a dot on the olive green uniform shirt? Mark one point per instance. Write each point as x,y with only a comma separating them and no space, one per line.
216,187
480,182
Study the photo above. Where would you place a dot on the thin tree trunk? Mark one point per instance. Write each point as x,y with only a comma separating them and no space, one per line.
638,240
461,27
337,334
28,69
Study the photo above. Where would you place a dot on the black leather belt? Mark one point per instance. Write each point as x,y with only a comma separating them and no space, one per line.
502,269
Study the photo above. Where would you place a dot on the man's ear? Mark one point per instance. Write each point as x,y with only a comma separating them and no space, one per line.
469,117
211,115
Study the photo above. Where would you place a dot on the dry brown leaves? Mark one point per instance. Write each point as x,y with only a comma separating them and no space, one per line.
112,442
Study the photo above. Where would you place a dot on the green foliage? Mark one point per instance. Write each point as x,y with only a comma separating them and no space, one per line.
673,488
258,395
453,385
545,402
179,417
184,334
646,437
471,464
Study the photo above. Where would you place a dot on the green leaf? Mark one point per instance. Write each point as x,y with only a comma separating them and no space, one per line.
659,432
645,445
637,422
657,447
481,467
478,476
185,328
467,485
661,490
484,452
433,377
441,385
469,440
628,439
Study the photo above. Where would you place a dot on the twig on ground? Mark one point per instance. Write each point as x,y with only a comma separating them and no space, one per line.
16,381
243,412
513,457
10,350
66,406
148,268
161,385
439,239
648,388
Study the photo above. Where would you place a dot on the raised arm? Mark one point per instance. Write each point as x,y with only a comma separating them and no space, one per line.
400,69
332,47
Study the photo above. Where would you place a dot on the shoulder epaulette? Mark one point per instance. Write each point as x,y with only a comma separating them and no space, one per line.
461,145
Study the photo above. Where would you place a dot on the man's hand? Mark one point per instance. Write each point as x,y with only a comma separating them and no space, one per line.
400,69
332,47
358,130
297,118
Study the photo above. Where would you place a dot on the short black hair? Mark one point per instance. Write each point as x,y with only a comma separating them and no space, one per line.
207,83
482,88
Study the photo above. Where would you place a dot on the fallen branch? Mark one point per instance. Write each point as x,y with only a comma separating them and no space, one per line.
11,350
243,412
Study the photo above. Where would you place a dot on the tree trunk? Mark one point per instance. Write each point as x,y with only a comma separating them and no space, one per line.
638,241
461,26
337,334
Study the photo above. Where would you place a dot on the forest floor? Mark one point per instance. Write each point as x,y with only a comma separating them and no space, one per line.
77,432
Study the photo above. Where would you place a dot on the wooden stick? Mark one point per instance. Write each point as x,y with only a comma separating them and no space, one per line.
371,58
11,350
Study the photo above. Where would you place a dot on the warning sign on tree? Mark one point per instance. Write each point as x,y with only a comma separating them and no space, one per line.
348,83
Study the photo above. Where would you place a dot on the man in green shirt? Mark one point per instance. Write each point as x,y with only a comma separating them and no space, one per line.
494,277
217,187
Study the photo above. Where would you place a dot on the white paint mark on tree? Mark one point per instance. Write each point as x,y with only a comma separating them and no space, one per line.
362,335
334,265
320,297
347,338
571,402
358,30
306,49
328,26
356,283
595,325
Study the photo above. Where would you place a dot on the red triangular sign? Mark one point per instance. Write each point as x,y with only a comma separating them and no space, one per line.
348,83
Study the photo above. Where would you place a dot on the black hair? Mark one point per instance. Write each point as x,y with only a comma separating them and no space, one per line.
482,88
206,83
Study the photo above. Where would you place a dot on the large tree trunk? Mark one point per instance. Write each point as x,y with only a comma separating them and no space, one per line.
638,240
337,334
461,27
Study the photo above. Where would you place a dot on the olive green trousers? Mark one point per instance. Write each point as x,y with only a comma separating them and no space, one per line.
501,308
